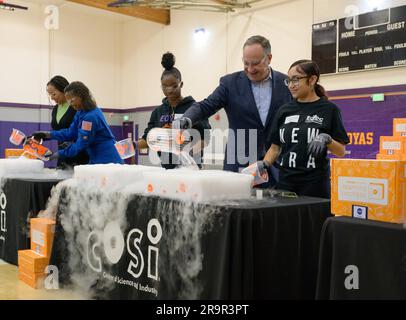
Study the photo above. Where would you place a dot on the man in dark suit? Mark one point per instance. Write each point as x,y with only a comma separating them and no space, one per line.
250,99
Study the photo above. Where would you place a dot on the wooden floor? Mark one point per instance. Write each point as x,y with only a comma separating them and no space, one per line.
13,289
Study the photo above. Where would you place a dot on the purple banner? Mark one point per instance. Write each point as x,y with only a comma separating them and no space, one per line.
365,121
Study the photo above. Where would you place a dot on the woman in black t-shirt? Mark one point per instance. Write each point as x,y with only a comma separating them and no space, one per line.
173,106
62,118
302,132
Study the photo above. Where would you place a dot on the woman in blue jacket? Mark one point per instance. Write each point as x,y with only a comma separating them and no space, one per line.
89,130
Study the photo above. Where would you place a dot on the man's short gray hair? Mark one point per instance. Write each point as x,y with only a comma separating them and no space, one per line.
264,42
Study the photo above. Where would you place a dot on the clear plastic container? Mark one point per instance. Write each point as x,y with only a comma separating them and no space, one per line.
17,137
125,148
168,140
259,176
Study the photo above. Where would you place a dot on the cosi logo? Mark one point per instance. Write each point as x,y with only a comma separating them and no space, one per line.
3,204
112,242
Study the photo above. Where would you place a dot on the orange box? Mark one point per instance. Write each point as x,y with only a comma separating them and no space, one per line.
369,189
31,261
399,127
392,145
42,235
34,280
16,153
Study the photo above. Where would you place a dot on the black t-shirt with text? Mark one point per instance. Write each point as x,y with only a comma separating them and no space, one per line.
295,125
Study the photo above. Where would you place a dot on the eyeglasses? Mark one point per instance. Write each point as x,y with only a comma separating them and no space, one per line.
247,64
294,80
171,88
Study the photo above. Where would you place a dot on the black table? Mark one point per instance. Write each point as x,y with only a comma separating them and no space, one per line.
249,249
22,199
376,249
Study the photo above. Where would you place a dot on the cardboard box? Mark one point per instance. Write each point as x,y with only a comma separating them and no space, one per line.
16,153
34,280
42,235
369,189
31,261
399,127
392,145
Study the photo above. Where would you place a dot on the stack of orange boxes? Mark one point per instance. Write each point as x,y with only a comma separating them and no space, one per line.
32,263
394,147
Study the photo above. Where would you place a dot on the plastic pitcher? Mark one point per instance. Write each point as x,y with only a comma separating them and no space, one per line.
125,148
17,137
259,177
168,140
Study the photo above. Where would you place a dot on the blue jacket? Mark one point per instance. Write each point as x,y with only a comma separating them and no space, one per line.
234,94
89,131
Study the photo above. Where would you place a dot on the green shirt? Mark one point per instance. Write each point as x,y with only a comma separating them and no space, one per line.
62,108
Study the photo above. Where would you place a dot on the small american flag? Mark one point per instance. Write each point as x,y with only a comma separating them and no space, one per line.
86,125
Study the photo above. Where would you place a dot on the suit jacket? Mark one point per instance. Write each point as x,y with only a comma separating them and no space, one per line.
234,94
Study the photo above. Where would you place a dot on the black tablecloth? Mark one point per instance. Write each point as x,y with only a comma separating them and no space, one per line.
25,198
376,249
259,249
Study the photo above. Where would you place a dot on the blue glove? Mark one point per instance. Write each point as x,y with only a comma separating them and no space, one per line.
54,156
44,135
319,145
182,123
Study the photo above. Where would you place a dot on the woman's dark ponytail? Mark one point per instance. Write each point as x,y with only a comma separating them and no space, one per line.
320,91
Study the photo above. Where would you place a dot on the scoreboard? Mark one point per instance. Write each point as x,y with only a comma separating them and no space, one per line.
367,41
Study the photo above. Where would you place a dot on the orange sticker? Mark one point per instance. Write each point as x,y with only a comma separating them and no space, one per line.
150,188
180,138
182,187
